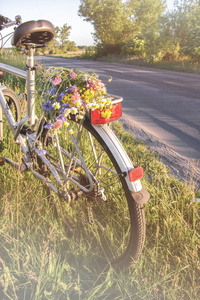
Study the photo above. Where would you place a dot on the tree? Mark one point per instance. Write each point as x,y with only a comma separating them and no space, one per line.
63,35
112,27
191,44
119,23
179,30
145,15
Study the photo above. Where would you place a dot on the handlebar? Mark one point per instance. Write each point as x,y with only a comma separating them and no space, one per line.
6,22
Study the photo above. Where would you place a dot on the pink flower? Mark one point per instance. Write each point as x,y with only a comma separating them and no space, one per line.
76,96
56,80
72,75
57,124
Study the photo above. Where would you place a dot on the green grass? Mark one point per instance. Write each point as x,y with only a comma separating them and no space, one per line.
181,65
37,261
69,54
8,56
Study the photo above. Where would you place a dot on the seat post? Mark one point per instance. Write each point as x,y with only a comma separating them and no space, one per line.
31,86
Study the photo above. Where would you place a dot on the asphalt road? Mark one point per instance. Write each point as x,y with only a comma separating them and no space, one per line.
164,103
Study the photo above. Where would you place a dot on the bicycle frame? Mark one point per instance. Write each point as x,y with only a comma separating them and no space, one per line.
29,75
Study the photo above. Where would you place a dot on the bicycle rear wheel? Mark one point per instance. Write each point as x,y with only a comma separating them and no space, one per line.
107,223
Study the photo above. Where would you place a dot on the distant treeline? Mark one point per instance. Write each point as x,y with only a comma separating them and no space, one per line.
144,28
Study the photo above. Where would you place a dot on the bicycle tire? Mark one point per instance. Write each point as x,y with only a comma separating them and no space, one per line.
138,226
108,252
14,105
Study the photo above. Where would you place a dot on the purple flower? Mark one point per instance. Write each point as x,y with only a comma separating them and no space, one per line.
72,75
56,80
72,88
46,106
61,118
64,107
89,84
52,91
60,97
48,125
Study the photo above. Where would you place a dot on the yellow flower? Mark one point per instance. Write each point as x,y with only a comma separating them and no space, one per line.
108,101
101,106
92,93
88,95
106,113
71,131
67,99
66,124
103,114
96,106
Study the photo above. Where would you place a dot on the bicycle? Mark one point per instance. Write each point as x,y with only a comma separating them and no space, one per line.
88,169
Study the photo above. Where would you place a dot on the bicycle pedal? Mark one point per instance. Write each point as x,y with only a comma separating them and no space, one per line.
2,161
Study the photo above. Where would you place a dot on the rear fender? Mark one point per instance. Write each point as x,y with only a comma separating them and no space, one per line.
139,194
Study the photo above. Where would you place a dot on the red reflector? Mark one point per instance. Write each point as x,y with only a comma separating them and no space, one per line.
136,174
116,113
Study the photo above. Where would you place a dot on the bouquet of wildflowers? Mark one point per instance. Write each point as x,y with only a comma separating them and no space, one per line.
69,92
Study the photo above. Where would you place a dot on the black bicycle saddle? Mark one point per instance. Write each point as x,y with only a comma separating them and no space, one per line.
33,34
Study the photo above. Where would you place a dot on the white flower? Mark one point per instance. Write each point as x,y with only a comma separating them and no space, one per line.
78,103
56,105
89,105
67,112
74,110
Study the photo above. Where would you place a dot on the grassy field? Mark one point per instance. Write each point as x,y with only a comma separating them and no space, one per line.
37,262
180,65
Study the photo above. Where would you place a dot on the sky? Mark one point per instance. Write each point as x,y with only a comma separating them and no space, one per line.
58,12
